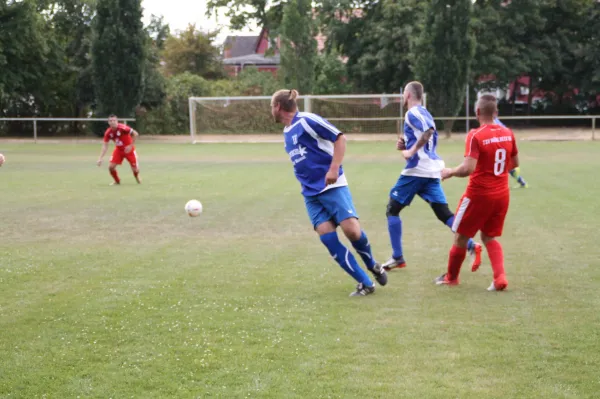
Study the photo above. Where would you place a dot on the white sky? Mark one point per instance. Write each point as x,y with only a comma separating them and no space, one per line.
179,13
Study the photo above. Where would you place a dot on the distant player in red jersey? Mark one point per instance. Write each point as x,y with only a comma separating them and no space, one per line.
490,153
124,138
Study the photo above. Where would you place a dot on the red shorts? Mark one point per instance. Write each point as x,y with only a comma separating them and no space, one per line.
118,155
485,214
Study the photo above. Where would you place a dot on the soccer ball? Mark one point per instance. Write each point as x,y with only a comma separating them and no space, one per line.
193,208
2,159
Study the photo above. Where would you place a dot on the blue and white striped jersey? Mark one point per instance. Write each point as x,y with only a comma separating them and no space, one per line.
309,142
426,162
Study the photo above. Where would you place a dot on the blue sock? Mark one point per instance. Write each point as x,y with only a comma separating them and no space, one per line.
395,230
512,173
521,181
344,258
470,244
363,248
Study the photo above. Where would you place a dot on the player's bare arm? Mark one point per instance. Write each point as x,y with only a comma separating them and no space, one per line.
463,170
424,139
339,150
102,153
134,136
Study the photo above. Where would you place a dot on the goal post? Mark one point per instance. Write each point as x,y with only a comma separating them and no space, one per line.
351,113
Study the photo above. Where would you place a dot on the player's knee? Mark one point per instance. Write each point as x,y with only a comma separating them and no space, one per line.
485,238
353,234
112,167
351,229
460,241
442,212
393,208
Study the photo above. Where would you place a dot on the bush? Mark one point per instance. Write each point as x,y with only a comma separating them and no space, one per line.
172,117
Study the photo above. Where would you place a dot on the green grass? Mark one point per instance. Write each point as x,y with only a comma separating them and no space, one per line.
115,292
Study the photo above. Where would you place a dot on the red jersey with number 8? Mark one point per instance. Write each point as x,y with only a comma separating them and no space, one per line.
494,147
121,136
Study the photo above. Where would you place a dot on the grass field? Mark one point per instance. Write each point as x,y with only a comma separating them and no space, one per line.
116,292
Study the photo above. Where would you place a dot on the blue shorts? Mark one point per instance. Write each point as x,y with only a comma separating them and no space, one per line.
408,186
333,205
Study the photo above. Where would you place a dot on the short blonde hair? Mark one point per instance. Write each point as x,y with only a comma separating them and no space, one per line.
416,88
286,99
487,105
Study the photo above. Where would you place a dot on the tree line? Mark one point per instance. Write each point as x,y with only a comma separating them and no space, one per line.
80,58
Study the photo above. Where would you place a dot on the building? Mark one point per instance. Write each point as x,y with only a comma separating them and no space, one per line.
243,51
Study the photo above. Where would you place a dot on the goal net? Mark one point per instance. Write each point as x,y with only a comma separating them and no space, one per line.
364,114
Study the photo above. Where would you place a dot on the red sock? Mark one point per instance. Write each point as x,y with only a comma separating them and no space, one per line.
115,175
455,260
494,250
135,174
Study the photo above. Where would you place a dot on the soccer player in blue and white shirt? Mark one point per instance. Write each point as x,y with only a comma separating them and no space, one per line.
316,149
421,176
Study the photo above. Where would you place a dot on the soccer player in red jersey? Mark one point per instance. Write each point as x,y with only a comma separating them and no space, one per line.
124,138
490,153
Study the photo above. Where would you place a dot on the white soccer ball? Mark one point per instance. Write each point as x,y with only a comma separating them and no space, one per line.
193,208
2,159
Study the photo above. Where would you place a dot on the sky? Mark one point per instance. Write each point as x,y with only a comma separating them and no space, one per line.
179,13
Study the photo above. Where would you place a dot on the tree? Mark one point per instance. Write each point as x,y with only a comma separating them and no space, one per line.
443,54
70,79
588,51
535,38
563,31
24,50
331,76
298,46
118,56
241,13
192,51
155,84
377,40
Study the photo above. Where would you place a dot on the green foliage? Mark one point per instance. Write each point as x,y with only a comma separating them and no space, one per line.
242,13
588,51
331,76
155,84
545,40
377,43
24,50
192,51
118,54
172,117
252,82
48,66
224,88
298,46
443,53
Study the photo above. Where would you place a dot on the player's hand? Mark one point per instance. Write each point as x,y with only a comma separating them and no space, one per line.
407,154
446,173
401,144
128,149
99,163
332,176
